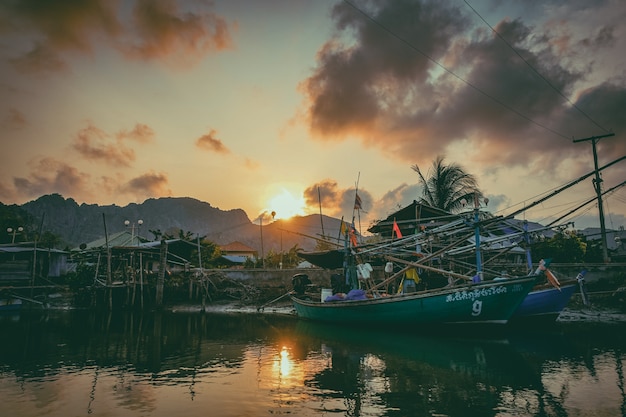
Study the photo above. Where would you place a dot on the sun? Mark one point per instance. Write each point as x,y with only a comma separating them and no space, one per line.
286,205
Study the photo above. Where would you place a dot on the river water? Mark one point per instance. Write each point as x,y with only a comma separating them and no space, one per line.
77,363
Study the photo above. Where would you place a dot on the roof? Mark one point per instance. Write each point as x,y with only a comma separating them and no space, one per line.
410,216
20,249
123,238
235,259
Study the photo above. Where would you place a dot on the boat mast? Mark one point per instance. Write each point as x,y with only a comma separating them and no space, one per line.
319,199
479,267
597,184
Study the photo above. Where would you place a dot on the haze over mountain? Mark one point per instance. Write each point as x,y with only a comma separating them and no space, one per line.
83,223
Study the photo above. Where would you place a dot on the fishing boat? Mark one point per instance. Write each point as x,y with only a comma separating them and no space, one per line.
450,242
10,304
545,302
487,302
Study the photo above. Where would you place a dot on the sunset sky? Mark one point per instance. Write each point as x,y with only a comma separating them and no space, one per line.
266,105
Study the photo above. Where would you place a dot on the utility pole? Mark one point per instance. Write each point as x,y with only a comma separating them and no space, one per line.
597,184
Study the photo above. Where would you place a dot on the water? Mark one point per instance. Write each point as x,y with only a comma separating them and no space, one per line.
76,363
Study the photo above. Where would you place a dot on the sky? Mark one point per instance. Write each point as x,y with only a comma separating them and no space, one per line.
291,106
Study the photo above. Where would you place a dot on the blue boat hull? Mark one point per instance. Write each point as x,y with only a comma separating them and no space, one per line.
10,304
546,303
485,302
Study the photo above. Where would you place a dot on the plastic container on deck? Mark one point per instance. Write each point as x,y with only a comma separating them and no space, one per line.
326,292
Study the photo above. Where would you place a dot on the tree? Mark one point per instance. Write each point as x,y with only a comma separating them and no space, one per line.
49,240
157,234
448,186
561,248
210,254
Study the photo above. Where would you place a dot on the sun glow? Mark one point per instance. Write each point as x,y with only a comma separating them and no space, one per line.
286,205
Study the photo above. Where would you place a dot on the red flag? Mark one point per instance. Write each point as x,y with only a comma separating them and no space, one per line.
357,202
396,229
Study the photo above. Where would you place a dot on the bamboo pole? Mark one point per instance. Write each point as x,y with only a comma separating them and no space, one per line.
419,264
428,268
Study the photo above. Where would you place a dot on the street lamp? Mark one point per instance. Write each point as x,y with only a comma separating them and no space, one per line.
280,265
12,231
132,226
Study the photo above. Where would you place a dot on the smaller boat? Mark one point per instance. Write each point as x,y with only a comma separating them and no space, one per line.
545,302
10,304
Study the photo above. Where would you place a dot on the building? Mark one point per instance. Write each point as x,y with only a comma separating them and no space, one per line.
237,253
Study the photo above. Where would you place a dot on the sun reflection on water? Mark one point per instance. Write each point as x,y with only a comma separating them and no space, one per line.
285,362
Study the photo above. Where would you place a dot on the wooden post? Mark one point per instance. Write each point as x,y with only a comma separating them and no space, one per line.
141,278
161,278
109,290
133,276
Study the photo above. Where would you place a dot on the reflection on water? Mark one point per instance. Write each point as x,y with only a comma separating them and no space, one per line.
164,364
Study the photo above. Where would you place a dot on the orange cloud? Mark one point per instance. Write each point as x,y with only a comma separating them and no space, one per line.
165,33
211,143
251,164
148,185
58,27
91,143
157,30
49,175
335,200
15,119
141,133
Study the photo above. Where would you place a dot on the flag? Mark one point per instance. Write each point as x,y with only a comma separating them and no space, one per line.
396,229
357,202
352,233
342,228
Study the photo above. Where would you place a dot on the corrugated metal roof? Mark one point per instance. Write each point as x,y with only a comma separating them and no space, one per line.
235,259
123,238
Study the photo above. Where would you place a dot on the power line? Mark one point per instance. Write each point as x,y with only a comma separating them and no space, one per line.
449,71
534,69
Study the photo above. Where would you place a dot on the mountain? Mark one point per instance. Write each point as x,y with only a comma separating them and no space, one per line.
83,223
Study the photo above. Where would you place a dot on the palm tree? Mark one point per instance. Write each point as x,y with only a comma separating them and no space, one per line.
448,186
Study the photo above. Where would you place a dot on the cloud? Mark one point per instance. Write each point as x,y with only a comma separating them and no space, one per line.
14,120
211,143
39,59
141,133
251,164
95,144
7,193
163,32
156,29
58,27
395,199
335,200
49,175
425,80
148,185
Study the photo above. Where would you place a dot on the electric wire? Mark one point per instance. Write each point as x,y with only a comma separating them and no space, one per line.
534,69
449,71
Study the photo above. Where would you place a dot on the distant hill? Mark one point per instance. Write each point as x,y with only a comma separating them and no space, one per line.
83,223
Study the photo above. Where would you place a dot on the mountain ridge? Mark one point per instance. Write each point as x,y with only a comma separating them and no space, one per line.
82,223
